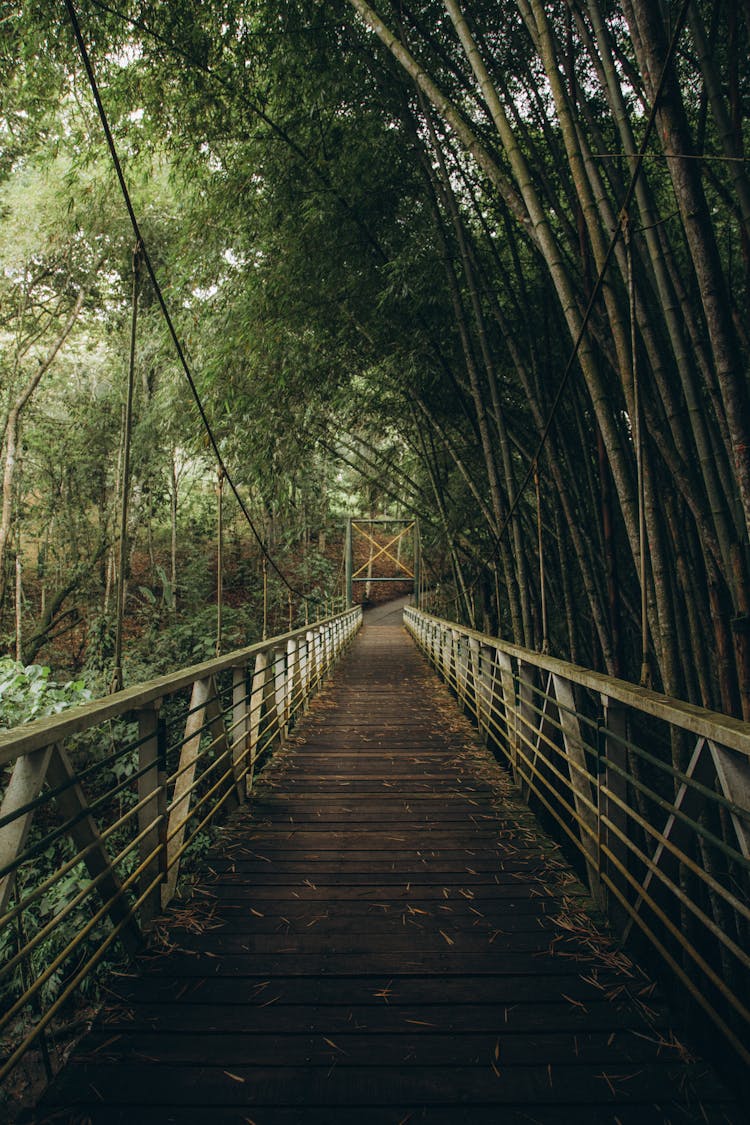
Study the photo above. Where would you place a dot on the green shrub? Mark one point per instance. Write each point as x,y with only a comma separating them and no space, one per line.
28,693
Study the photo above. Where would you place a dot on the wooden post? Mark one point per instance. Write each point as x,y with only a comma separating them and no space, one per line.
292,677
508,687
24,786
525,715
538,717
152,796
240,727
484,690
181,798
257,701
311,660
220,738
733,772
613,793
446,653
324,650
318,661
278,658
460,666
474,661
304,670
466,670
580,781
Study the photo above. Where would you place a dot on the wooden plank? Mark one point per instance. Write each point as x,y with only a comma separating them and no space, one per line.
251,1086
621,1112
169,995
404,1045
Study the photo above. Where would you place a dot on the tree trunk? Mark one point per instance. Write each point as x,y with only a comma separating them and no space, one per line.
701,241
12,431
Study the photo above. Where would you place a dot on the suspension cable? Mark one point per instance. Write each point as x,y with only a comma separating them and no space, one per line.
85,59
127,432
219,555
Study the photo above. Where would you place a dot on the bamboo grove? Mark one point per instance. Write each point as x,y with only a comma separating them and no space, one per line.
491,262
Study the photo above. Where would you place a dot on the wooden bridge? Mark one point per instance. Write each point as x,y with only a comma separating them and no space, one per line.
382,932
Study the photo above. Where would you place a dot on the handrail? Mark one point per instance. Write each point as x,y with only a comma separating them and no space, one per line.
652,793
119,814
699,720
40,732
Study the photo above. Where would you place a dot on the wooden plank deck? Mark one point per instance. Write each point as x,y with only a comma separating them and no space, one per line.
384,935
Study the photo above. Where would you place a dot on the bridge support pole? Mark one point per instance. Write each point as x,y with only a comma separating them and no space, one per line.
417,564
258,708
580,783
527,744
240,729
152,815
348,562
278,664
509,707
613,794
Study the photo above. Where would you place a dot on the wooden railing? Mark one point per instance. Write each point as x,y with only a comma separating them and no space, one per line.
104,801
653,793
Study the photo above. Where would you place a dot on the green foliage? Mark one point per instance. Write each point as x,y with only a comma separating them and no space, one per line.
29,693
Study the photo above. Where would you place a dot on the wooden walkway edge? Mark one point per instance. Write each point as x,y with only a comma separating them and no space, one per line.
384,934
